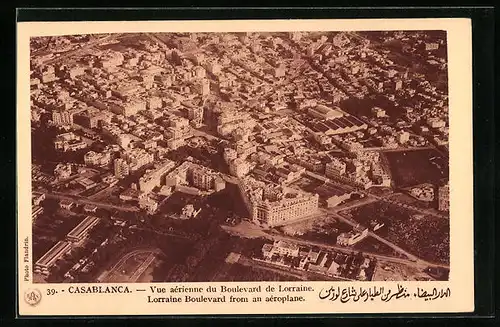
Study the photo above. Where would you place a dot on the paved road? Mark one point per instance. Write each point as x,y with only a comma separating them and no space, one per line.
399,149
260,265
332,181
358,203
81,200
161,233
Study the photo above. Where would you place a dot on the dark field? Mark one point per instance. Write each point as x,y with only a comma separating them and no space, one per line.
417,167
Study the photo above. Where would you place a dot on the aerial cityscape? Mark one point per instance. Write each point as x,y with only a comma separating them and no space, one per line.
283,156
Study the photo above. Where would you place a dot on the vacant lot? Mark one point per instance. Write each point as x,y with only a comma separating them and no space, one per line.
417,167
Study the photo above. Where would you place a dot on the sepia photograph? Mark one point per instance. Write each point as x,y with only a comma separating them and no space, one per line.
279,167
169,157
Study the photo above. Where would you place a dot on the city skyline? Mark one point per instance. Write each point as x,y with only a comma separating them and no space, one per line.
256,156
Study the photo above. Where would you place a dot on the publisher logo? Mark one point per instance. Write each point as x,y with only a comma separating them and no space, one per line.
32,297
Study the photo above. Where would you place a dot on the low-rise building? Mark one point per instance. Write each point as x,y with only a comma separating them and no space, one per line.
44,264
352,237
66,204
81,231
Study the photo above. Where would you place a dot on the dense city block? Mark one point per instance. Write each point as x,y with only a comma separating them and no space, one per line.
171,157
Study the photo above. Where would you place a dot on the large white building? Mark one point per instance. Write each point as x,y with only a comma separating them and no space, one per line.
153,178
274,205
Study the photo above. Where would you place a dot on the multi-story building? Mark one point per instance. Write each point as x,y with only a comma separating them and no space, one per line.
62,117
91,118
175,143
202,178
178,122
92,158
380,176
111,59
308,162
230,154
378,112
153,178
195,115
47,74
154,103
205,179
274,205
280,247
213,67
177,132
239,167
149,204
199,72
436,122
121,168
62,171
202,86
335,168
285,210
429,46
444,197
137,158
133,106
69,142
152,114
403,137
129,108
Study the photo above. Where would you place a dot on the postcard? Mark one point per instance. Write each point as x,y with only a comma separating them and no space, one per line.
245,167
